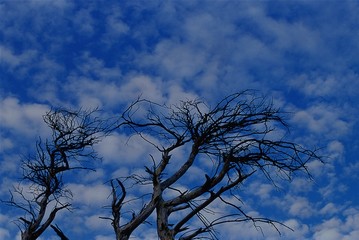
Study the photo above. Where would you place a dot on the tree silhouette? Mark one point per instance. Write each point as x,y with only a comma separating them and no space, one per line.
42,193
239,137
236,139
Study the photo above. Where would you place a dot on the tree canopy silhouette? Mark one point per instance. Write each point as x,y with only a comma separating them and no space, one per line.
42,192
235,139
239,137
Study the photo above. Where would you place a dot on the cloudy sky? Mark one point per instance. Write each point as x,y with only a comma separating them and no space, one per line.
303,54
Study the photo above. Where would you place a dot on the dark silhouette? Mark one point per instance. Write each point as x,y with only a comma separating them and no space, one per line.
234,138
73,135
230,142
59,232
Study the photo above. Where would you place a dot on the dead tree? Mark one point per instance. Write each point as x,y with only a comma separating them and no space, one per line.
235,137
59,232
42,193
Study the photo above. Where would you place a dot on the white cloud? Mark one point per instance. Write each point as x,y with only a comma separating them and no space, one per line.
24,119
327,234
322,119
300,230
316,87
101,237
249,231
91,94
336,150
329,209
4,234
120,172
93,176
287,35
144,86
104,92
58,4
351,169
300,185
116,26
177,94
84,22
13,60
3,218
9,164
95,223
354,235
262,190
95,195
336,228
183,51
316,168
177,61
8,57
5,143
122,150
299,207
95,68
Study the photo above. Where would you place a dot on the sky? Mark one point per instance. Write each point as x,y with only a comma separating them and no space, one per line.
73,54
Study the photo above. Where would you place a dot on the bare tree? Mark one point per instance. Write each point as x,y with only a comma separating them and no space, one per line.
42,192
236,138
59,232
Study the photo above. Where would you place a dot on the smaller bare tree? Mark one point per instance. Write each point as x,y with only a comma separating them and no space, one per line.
42,192
235,138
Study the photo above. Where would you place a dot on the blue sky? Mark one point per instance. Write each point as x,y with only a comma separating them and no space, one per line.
303,54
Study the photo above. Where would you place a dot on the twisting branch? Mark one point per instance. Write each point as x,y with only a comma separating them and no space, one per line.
234,136
116,205
59,232
70,147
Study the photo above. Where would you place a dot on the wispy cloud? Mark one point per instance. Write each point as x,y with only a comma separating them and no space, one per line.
90,54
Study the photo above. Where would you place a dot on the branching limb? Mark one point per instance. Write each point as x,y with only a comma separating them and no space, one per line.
59,232
235,136
70,147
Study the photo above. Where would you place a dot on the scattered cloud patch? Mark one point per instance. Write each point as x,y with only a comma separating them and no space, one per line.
88,54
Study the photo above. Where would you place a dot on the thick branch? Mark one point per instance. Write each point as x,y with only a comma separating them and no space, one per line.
59,232
213,196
